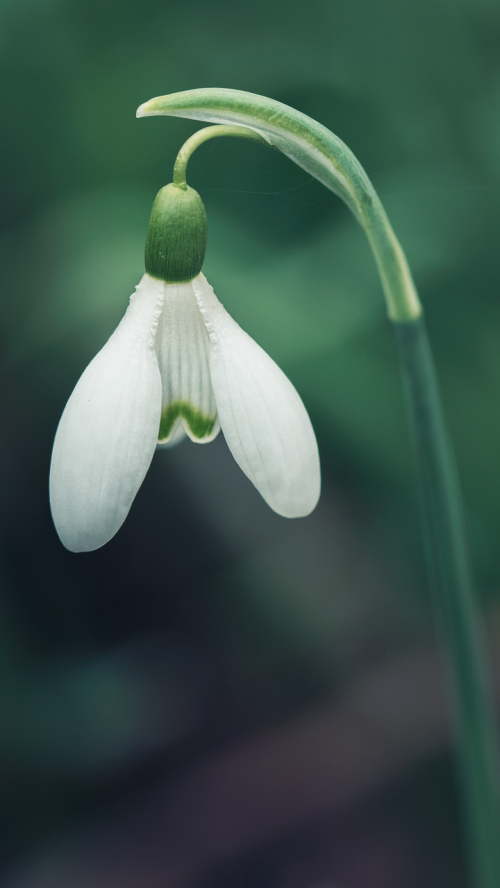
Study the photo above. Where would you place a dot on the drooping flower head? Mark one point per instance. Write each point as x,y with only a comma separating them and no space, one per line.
176,365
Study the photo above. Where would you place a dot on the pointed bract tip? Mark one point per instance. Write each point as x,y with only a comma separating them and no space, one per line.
148,108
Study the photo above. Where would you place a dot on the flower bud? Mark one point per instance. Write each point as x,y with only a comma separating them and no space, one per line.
177,235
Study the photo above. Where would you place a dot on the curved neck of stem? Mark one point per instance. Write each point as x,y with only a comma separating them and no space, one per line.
403,304
209,132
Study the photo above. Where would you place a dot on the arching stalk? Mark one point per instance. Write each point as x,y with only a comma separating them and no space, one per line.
328,159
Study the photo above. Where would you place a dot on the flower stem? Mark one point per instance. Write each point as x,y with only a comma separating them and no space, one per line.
322,154
455,605
209,132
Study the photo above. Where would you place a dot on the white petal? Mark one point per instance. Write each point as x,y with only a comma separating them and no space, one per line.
263,418
184,357
107,434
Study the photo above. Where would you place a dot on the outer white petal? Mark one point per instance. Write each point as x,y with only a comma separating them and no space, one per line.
263,418
107,434
183,352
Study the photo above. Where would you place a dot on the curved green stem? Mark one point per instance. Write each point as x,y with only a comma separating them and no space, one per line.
318,151
210,132
328,159
455,605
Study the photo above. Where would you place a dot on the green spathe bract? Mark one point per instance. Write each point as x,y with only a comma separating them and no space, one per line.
177,235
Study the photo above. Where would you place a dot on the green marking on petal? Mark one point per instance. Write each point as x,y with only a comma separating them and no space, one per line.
200,424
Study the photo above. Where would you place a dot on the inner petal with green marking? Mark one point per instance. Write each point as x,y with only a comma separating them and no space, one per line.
183,351
197,424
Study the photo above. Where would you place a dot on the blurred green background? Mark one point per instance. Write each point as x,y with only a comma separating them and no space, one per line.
220,696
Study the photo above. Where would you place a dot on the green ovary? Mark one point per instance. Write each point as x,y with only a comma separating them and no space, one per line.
200,424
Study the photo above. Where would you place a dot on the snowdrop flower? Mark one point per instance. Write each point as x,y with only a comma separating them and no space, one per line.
176,365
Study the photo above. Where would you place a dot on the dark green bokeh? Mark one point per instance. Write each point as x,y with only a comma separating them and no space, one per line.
253,617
